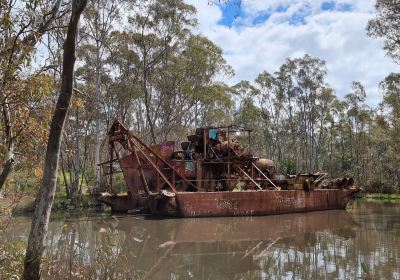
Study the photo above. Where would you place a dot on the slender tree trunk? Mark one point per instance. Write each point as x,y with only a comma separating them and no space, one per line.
45,197
331,152
77,159
147,107
147,97
66,184
9,162
97,144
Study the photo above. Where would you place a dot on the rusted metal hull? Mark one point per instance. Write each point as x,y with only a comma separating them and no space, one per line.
248,203
252,203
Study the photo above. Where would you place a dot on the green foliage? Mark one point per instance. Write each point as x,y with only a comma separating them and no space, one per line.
61,203
248,115
163,80
365,268
381,196
385,25
296,115
289,166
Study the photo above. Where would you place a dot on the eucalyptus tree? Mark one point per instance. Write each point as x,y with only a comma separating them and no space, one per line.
77,146
122,98
200,65
357,114
309,79
276,112
182,84
390,87
391,100
99,20
158,27
246,113
22,26
324,128
334,121
291,96
45,196
386,25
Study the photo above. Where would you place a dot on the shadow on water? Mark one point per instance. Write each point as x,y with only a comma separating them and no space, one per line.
363,243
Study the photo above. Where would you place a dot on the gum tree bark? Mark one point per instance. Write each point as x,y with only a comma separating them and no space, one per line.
45,197
9,162
97,145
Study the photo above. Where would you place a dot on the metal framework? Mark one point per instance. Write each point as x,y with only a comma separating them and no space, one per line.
212,161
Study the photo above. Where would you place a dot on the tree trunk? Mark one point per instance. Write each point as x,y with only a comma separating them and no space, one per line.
7,168
45,197
147,97
97,144
9,162
147,107
77,159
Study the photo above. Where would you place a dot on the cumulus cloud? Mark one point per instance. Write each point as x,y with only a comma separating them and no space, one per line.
331,30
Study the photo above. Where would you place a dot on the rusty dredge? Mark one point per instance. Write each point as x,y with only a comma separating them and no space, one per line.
213,174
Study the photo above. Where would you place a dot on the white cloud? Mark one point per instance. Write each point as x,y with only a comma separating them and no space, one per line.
337,37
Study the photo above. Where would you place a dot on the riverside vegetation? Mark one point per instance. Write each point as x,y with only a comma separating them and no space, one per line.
69,68
162,80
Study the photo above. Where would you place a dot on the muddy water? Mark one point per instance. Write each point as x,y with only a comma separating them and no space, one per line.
362,243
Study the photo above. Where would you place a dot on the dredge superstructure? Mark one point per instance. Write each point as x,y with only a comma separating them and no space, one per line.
212,174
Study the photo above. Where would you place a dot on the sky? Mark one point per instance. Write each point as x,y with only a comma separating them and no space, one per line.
260,35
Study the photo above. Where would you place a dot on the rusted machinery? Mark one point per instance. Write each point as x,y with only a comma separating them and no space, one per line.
212,174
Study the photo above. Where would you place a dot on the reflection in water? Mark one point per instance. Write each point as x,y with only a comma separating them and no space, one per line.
319,245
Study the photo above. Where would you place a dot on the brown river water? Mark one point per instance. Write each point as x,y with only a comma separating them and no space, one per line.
360,243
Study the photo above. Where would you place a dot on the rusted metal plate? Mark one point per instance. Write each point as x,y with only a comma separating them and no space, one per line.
186,168
254,203
129,169
132,177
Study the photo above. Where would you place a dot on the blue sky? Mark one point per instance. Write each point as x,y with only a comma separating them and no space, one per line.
234,13
259,35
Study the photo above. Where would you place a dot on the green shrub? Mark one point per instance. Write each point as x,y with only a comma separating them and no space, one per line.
289,166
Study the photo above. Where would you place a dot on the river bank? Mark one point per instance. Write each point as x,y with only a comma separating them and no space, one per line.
21,203
379,196
24,203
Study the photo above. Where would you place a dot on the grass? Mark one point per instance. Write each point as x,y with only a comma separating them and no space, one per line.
380,196
21,192
61,186
21,203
